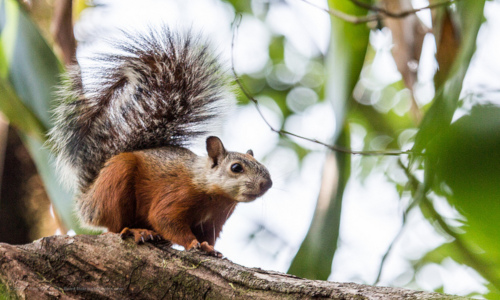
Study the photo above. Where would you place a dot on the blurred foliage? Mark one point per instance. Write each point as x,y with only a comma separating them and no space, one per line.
462,168
457,155
28,78
461,164
241,6
382,111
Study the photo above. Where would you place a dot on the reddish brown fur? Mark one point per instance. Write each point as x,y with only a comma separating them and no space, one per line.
160,196
115,186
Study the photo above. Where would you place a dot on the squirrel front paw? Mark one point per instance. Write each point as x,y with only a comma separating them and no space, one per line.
210,250
140,235
205,247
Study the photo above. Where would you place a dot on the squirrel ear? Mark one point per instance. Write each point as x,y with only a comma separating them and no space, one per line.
215,149
250,152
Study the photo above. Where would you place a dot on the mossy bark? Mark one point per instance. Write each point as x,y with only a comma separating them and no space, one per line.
107,267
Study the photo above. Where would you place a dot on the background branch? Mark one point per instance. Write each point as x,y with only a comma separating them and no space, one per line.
380,13
62,30
385,13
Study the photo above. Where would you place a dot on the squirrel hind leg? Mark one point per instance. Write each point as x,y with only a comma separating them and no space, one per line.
140,235
110,201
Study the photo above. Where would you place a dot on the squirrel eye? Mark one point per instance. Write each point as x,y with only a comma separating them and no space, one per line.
236,168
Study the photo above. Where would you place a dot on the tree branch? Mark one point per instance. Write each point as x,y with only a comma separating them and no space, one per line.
380,13
107,267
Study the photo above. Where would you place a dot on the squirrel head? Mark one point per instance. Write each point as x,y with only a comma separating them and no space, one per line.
238,175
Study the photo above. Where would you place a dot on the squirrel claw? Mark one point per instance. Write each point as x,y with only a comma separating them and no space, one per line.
194,245
210,250
125,233
204,247
215,253
140,235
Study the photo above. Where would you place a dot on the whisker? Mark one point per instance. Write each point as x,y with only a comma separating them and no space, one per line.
213,228
230,210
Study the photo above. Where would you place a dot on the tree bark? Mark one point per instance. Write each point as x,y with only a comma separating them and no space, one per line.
107,267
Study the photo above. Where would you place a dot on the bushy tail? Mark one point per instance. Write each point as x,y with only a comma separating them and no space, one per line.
156,89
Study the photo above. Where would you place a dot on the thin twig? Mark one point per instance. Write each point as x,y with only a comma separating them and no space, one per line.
284,132
389,250
380,13
417,198
346,17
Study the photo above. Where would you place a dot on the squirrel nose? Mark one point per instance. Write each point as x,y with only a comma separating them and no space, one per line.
265,185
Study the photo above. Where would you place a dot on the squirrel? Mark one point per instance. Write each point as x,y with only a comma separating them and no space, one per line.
123,125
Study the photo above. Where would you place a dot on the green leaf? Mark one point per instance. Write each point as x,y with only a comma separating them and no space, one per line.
345,58
18,114
59,197
29,73
465,168
28,62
